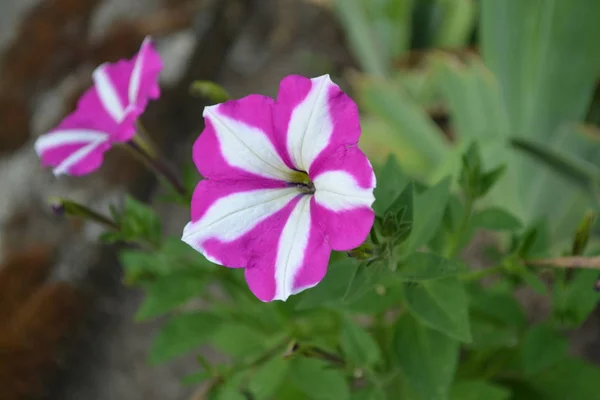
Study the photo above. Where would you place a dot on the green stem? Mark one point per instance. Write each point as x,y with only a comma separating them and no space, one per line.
62,206
142,148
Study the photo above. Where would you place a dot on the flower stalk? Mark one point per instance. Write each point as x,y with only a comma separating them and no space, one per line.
62,207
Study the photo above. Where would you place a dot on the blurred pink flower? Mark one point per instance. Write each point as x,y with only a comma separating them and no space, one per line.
105,114
285,184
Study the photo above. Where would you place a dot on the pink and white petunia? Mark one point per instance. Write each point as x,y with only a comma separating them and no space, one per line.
285,184
105,114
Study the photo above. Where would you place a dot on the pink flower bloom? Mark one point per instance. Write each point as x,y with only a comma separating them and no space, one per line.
105,114
285,184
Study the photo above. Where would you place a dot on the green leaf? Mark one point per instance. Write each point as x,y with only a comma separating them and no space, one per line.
268,377
139,221
496,219
333,288
567,379
196,377
229,393
226,338
390,182
427,266
575,301
542,347
429,210
501,307
490,334
442,305
457,23
489,179
370,393
427,358
478,390
379,298
579,171
173,255
169,292
398,218
209,90
359,31
542,37
181,334
318,380
358,345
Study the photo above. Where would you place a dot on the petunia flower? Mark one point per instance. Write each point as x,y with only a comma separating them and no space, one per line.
105,114
285,184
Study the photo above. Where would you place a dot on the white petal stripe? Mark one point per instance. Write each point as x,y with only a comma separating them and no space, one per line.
291,248
339,191
310,127
246,147
136,73
76,157
108,94
66,137
232,216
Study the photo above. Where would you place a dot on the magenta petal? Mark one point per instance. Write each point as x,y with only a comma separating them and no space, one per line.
227,216
296,261
121,92
105,114
73,148
238,142
344,196
315,117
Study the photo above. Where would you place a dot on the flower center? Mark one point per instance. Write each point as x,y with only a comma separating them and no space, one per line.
301,180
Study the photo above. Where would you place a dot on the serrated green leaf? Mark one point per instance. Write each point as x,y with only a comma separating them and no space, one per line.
268,377
166,293
542,347
427,358
318,380
428,212
181,334
358,345
427,266
442,305
478,390
495,219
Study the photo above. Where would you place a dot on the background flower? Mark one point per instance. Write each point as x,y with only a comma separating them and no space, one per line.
105,114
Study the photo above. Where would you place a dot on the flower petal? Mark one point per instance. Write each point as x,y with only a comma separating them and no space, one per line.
344,195
121,92
71,148
316,117
296,262
238,142
227,217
